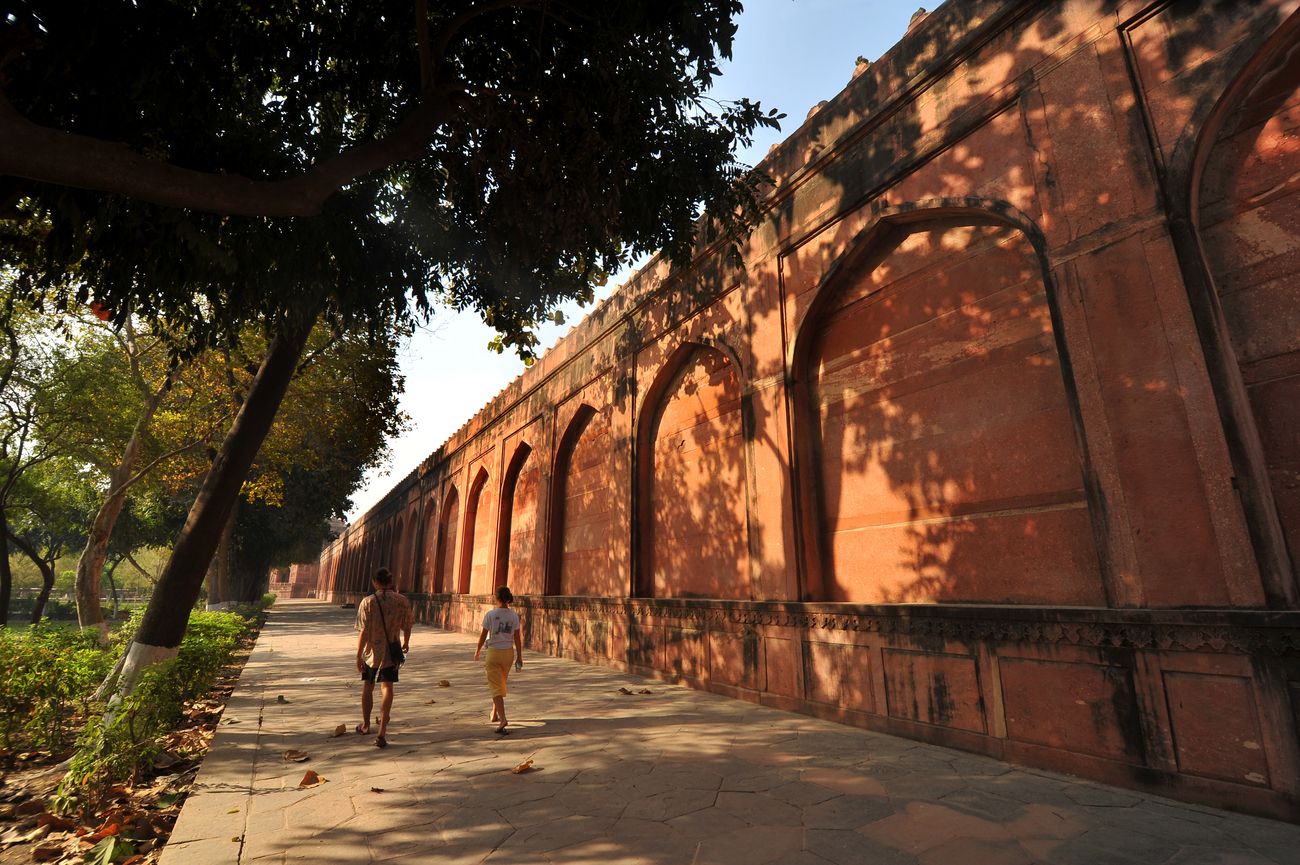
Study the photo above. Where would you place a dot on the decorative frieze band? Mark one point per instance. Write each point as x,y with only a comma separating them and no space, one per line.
1240,632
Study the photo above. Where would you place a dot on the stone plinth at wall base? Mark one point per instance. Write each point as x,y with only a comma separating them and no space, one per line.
1199,705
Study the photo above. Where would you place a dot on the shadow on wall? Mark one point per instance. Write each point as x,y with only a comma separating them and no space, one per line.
939,450
693,532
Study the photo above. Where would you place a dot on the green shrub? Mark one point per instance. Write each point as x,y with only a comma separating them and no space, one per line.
115,747
267,600
50,673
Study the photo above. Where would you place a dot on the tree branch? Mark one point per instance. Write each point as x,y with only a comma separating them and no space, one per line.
148,576
39,153
442,40
153,463
314,355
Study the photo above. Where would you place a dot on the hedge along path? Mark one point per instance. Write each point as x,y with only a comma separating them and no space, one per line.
124,793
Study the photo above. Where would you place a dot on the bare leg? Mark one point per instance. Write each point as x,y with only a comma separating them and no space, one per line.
367,703
499,711
385,706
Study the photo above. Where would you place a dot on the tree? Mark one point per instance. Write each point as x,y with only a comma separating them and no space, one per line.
46,521
39,385
137,380
500,155
335,421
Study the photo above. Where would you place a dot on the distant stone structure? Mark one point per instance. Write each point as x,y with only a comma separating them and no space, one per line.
994,441
294,581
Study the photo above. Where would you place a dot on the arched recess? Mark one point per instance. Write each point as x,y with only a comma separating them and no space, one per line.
447,540
395,555
414,551
940,453
368,561
691,515
1241,261
582,509
517,527
475,546
428,554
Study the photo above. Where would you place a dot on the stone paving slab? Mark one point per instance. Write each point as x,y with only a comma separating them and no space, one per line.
678,776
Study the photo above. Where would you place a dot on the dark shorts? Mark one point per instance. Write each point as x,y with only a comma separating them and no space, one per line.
387,674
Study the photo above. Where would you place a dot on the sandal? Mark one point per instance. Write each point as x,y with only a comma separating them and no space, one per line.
501,731
381,742
360,731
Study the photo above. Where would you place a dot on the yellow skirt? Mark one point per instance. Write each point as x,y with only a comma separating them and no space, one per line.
497,667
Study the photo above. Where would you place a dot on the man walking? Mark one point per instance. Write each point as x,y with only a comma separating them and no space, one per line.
380,618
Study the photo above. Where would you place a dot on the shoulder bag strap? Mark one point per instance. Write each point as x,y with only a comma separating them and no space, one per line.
382,622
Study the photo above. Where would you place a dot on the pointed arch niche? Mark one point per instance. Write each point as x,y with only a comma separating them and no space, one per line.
447,541
691,480
582,501
936,438
395,558
1246,202
516,534
475,546
427,567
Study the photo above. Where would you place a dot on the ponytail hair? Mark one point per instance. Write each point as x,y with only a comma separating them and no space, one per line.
383,577
504,595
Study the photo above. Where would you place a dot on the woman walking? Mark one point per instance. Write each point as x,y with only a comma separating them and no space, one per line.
504,644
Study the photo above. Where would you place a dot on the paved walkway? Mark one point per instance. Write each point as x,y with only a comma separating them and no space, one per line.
677,776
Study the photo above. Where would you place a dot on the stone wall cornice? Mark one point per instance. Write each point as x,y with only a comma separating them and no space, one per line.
1217,631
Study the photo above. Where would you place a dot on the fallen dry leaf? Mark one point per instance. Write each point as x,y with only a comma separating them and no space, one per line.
165,760
233,811
30,807
281,698
134,860
340,730
310,779
295,756
443,683
102,832
47,853
15,836
526,766
431,702
625,691
376,789
645,691
55,822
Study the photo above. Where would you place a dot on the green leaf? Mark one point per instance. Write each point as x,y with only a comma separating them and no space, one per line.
109,850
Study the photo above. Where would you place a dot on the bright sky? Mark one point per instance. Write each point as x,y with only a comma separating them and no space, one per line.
788,54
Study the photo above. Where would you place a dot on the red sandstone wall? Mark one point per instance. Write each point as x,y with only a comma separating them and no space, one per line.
992,442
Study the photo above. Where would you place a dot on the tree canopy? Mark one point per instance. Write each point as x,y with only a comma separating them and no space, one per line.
244,161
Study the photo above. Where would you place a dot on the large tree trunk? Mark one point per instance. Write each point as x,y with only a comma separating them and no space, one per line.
6,575
220,596
47,576
178,587
251,580
90,566
112,586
